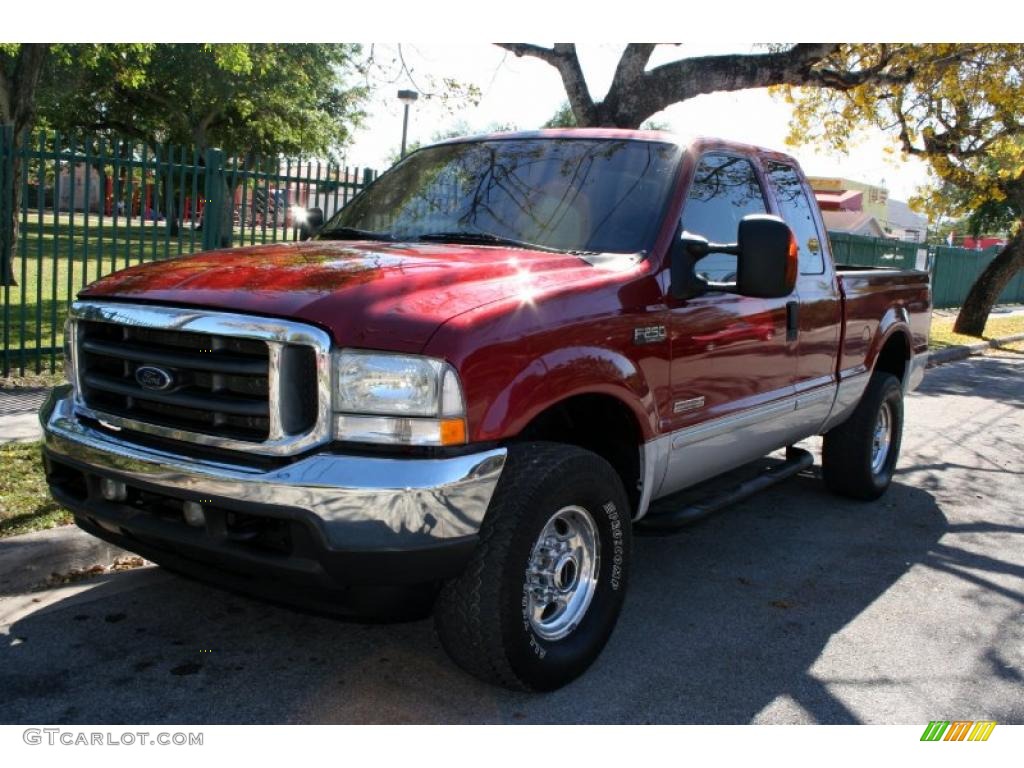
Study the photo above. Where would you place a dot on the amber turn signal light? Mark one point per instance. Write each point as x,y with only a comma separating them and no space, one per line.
453,431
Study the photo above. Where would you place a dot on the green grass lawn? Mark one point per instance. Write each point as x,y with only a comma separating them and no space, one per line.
55,259
25,503
998,326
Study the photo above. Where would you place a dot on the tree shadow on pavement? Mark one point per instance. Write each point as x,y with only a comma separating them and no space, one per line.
995,377
720,621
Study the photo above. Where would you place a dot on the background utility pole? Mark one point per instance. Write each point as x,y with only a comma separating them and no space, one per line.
407,98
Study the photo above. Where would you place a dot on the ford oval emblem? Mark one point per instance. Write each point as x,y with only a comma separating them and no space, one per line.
153,378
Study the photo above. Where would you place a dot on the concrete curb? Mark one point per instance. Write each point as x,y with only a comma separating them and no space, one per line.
19,414
963,351
27,561
20,428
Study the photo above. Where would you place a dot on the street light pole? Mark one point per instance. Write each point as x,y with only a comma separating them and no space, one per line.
407,98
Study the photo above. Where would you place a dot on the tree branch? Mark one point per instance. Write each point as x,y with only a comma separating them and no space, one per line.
636,94
631,65
686,78
563,58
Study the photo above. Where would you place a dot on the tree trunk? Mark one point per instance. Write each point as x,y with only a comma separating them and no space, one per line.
18,108
990,283
7,276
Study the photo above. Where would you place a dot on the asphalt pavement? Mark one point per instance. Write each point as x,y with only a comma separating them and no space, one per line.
793,607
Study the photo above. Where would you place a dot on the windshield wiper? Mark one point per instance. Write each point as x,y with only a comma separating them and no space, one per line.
351,233
485,238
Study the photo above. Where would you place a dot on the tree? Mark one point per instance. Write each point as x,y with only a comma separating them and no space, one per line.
251,100
564,118
26,71
636,93
240,97
962,111
21,66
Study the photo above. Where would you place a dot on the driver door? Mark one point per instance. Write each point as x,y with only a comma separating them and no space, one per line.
733,368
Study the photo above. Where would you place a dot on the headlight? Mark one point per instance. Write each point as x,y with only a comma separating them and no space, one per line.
397,399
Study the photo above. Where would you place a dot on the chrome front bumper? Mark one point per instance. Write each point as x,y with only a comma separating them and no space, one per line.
358,503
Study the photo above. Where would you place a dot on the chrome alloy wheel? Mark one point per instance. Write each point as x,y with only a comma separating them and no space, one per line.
561,576
882,438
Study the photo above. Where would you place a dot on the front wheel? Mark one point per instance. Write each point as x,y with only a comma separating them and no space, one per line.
859,456
540,598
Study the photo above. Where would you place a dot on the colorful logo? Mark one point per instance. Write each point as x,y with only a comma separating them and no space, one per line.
958,730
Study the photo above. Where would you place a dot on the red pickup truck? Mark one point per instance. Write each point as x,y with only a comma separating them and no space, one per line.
465,391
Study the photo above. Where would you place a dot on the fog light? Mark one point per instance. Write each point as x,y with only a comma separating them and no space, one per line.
113,490
194,514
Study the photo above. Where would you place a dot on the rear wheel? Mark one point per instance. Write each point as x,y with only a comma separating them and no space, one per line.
859,456
542,594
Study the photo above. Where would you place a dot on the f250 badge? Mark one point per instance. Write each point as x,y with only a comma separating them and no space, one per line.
650,334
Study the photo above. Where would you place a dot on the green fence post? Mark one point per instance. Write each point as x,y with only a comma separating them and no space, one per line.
213,202
6,234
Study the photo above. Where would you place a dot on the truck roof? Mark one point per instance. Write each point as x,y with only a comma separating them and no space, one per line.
664,137
575,133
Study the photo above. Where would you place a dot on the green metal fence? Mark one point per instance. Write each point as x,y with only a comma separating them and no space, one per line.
86,206
953,270
858,251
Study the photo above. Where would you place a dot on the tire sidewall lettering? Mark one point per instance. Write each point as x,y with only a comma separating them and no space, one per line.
615,522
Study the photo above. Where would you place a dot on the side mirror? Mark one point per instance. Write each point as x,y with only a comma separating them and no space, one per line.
766,260
314,220
686,252
767,263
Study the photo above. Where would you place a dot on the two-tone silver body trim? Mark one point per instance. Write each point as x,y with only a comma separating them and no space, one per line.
277,334
916,366
687,456
682,458
358,502
727,424
852,383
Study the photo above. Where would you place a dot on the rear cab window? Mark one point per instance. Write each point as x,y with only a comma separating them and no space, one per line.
797,211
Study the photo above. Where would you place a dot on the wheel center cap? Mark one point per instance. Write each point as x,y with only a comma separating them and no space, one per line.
567,572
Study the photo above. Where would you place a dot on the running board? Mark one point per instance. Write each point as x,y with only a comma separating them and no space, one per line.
797,460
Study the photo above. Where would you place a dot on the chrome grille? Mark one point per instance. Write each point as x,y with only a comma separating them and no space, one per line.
233,381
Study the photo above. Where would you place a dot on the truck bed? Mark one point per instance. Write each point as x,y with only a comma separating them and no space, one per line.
877,296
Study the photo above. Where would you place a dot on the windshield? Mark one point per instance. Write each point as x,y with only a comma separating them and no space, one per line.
597,195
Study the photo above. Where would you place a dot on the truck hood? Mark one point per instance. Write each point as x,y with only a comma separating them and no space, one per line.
378,295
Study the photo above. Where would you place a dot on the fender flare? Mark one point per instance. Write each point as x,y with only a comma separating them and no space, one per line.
895,320
565,373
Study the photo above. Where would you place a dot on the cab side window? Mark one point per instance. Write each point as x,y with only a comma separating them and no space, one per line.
796,211
723,191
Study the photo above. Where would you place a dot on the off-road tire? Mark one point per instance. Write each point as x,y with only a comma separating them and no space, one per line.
481,616
848,448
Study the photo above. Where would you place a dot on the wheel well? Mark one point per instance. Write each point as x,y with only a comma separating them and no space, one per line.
894,355
599,423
